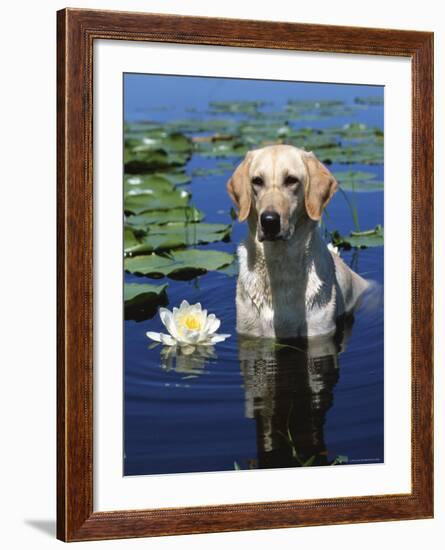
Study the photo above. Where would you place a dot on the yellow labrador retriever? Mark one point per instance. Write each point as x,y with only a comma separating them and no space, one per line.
290,283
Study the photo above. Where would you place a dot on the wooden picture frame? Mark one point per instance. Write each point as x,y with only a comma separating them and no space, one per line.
77,31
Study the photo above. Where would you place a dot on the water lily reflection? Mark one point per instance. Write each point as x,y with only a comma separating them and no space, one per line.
187,359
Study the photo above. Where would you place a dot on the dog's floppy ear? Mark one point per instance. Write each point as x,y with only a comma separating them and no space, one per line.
239,190
320,186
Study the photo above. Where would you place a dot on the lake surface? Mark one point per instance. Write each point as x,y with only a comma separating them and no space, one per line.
249,403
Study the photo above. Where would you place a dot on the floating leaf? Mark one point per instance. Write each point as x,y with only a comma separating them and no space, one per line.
156,139
222,149
315,142
370,100
245,107
307,105
359,239
200,125
148,184
176,235
175,178
231,270
187,214
142,300
130,239
363,154
180,264
216,171
137,162
272,128
134,290
360,182
355,131
137,204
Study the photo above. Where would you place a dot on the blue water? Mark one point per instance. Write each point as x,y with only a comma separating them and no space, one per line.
237,407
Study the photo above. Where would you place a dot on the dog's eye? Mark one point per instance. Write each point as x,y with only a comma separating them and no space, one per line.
291,180
258,181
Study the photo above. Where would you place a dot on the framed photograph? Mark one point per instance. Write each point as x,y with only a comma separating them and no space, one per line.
245,231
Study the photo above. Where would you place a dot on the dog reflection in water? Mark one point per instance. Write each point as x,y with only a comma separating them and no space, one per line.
289,389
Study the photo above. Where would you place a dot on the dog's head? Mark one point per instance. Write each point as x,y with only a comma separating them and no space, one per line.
278,186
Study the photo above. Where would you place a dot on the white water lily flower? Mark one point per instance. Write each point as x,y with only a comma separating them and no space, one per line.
190,325
333,249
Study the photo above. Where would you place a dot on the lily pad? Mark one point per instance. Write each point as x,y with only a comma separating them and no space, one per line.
136,204
142,300
142,221
154,140
359,239
175,178
180,264
245,107
137,162
307,105
366,154
133,291
222,149
177,235
355,130
216,171
318,110
146,184
201,125
130,239
231,270
369,100
360,182
314,142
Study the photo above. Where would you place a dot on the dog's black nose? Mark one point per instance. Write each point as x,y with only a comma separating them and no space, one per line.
270,223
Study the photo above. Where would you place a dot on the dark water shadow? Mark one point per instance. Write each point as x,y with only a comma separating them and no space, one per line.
46,526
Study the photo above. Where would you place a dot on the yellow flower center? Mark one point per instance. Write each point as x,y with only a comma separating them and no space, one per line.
191,322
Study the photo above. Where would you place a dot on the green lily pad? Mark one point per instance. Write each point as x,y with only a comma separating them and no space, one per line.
141,301
136,204
307,105
361,182
133,291
370,100
245,107
222,149
180,264
148,184
318,110
315,142
130,239
177,235
175,178
159,181
157,139
359,239
137,162
188,214
255,125
231,270
219,170
355,130
201,125
307,117
366,154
